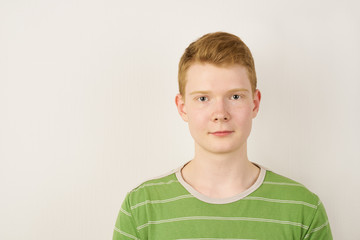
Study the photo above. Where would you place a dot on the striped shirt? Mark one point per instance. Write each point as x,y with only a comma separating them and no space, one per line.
274,207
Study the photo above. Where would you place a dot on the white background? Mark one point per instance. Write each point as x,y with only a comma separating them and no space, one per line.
87,108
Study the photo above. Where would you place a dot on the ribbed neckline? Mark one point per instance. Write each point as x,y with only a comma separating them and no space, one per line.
235,198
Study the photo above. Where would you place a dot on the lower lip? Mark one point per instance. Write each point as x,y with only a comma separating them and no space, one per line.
221,134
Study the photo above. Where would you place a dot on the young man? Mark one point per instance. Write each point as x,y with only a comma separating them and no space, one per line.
220,194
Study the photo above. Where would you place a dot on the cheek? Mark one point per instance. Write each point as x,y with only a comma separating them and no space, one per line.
243,116
196,128
198,122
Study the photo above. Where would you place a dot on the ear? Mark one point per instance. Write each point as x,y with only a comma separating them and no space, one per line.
180,104
256,102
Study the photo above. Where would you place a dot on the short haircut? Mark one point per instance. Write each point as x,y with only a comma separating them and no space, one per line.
218,48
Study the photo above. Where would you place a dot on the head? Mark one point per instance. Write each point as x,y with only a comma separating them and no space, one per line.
217,76
220,49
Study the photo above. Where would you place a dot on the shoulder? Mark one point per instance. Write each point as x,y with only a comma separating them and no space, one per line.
279,186
286,199
159,187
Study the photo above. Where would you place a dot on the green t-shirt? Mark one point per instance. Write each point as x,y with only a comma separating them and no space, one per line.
274,207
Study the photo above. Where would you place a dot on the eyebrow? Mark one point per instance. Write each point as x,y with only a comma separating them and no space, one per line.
231,90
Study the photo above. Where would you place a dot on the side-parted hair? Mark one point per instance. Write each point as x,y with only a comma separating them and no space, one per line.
218,48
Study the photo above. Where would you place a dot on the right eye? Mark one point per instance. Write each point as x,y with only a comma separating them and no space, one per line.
202,98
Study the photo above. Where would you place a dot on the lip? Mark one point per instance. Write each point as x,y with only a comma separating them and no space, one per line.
222,133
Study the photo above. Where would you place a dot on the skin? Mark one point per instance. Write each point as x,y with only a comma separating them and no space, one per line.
220,167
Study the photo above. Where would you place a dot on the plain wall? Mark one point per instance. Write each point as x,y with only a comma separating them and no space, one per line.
87,108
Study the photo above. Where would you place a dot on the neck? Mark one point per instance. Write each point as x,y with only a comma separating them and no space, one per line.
220,174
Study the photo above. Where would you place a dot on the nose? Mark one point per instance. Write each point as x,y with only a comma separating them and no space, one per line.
220,113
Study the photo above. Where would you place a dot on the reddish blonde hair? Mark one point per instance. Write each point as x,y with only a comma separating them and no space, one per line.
221,49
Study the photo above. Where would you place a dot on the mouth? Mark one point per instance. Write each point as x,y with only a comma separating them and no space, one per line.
221,133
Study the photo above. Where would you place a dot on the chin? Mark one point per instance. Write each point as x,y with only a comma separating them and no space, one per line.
222,150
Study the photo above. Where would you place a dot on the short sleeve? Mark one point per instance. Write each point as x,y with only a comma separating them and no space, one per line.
320,227
125,226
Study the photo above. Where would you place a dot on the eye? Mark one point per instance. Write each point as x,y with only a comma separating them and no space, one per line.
201,99
237,96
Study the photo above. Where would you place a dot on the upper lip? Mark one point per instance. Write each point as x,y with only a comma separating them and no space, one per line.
225,131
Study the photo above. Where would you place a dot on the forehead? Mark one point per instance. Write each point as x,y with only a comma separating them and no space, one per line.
210,77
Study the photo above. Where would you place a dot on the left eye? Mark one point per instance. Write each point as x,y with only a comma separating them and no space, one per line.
237,96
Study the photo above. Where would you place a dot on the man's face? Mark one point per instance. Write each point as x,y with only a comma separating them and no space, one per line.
218,99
